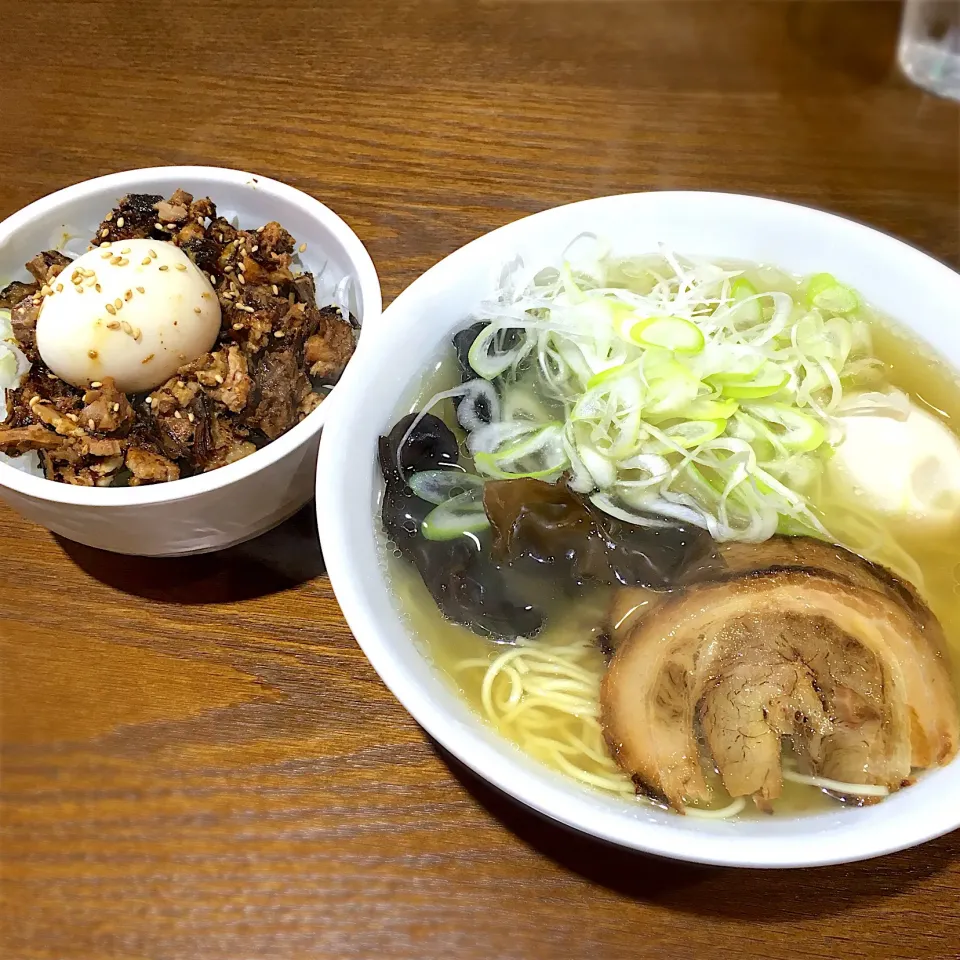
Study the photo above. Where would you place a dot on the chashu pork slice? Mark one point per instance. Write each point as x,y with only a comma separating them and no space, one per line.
630,604
851,673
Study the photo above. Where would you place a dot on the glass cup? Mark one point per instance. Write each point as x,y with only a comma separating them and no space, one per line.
929,50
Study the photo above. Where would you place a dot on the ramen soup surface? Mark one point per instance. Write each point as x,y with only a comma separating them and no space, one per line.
543,692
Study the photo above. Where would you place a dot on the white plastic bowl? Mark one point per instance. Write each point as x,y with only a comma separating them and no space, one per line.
238,501
906,283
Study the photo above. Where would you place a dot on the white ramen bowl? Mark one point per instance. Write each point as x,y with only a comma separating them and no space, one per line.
907,284
243,499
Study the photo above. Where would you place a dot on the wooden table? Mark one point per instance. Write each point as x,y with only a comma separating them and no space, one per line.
197,760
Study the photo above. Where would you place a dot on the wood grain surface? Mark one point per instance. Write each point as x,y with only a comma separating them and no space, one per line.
197,760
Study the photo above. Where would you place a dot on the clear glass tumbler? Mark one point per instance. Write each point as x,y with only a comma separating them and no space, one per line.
929,49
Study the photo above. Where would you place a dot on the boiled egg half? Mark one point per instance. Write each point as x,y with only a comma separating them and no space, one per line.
904,469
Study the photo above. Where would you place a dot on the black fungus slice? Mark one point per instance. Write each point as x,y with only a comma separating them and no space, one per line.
551,525
467,585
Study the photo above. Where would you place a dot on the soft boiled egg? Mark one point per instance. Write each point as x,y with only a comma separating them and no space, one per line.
906,469
136,311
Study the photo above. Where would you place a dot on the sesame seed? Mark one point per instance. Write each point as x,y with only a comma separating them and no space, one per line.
118,303
116,407
190,417
276,289
176,413
45,291
137,334
104,232
111,309
123,261
95,383
254,248
125,250
106,255
73,417
241,279
197,310
78,288
59,288
181,266
116,260
149,399
128,295
303,248
98,288
147,360
238,326
106,246
158,226
91,282
278,334
152,254
51,376
92,354
126,327
113,325
218,378
164,267
171,226
119,221
90,424
109,216
140,290
76,279
145,262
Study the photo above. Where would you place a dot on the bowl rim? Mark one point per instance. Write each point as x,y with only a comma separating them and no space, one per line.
41,488
510,771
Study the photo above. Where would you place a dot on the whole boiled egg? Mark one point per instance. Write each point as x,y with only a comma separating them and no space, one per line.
135,311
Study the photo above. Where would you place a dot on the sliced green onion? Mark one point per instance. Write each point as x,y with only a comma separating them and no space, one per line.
730,363
611,373
539,454
671,333
680,391
801,433
747,309
438,486
489,364
688,434
455,517
8,367
721,409
766,382
825,292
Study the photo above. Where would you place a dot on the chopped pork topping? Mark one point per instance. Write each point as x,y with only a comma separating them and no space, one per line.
275,354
